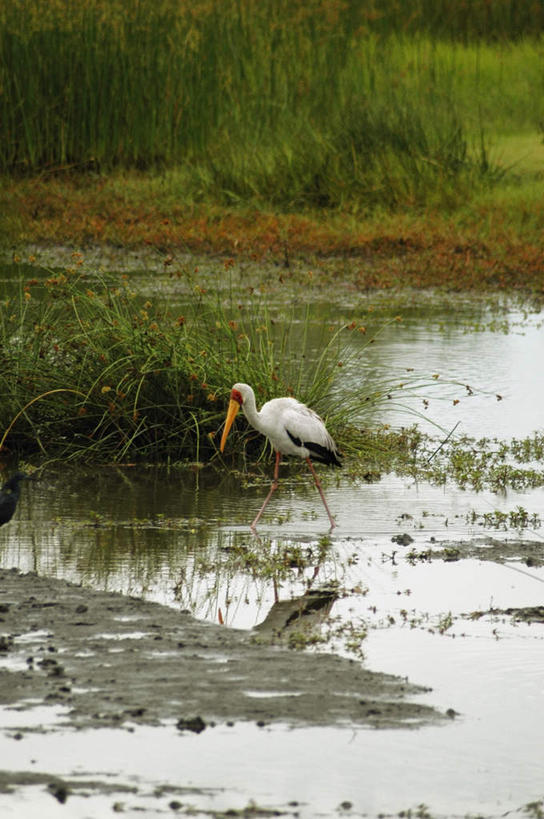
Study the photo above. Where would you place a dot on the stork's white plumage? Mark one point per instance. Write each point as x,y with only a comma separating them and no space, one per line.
291,427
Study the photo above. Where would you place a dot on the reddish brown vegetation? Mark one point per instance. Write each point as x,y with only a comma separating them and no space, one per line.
429,252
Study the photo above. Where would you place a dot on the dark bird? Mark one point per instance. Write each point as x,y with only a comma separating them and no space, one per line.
291,427
9,495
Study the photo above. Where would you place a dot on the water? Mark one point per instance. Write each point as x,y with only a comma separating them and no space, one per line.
173,536
492,363
169,536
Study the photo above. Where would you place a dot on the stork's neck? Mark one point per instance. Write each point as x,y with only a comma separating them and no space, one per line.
250,410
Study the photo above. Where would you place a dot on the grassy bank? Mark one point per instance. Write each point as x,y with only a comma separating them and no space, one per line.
90,371
403,138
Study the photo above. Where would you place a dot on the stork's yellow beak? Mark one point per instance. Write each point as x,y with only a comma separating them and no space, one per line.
232,412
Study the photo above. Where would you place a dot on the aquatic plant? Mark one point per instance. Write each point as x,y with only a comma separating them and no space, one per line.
518,519
91,370
485,463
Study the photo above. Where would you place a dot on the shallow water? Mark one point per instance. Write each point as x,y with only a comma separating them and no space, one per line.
303,772
492,363
170,537
179,537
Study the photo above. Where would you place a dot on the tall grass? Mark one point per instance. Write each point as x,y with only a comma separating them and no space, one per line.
488,20
91,371
290,104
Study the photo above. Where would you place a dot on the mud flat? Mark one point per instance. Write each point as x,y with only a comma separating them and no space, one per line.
111,659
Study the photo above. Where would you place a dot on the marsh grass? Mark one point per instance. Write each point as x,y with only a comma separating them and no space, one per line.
89,370
317,104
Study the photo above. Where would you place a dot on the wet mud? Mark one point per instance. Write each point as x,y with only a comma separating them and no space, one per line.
524,614
111,659
516,551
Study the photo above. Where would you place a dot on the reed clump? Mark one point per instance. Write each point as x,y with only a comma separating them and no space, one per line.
92,371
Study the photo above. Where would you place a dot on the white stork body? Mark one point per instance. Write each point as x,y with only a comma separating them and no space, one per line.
291,427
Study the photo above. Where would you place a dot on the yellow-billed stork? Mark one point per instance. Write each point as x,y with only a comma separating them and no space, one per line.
291,427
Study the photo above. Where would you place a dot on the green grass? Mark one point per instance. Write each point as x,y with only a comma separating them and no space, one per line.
358,106
90,370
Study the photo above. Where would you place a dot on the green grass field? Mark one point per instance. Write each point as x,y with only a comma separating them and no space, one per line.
356,105
281,129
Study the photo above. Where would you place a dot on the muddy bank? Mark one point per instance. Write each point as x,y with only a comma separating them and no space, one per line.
512,550
112,659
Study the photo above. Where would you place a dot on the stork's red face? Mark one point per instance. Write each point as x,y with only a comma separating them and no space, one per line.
235,403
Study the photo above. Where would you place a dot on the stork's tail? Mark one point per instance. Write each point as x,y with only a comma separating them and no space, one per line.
323,454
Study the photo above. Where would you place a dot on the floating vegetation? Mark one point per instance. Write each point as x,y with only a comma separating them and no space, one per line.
488,463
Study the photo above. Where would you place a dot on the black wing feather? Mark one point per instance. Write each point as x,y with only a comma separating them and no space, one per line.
319,453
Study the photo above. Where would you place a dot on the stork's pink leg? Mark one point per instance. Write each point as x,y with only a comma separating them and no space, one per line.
320,490
272,488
